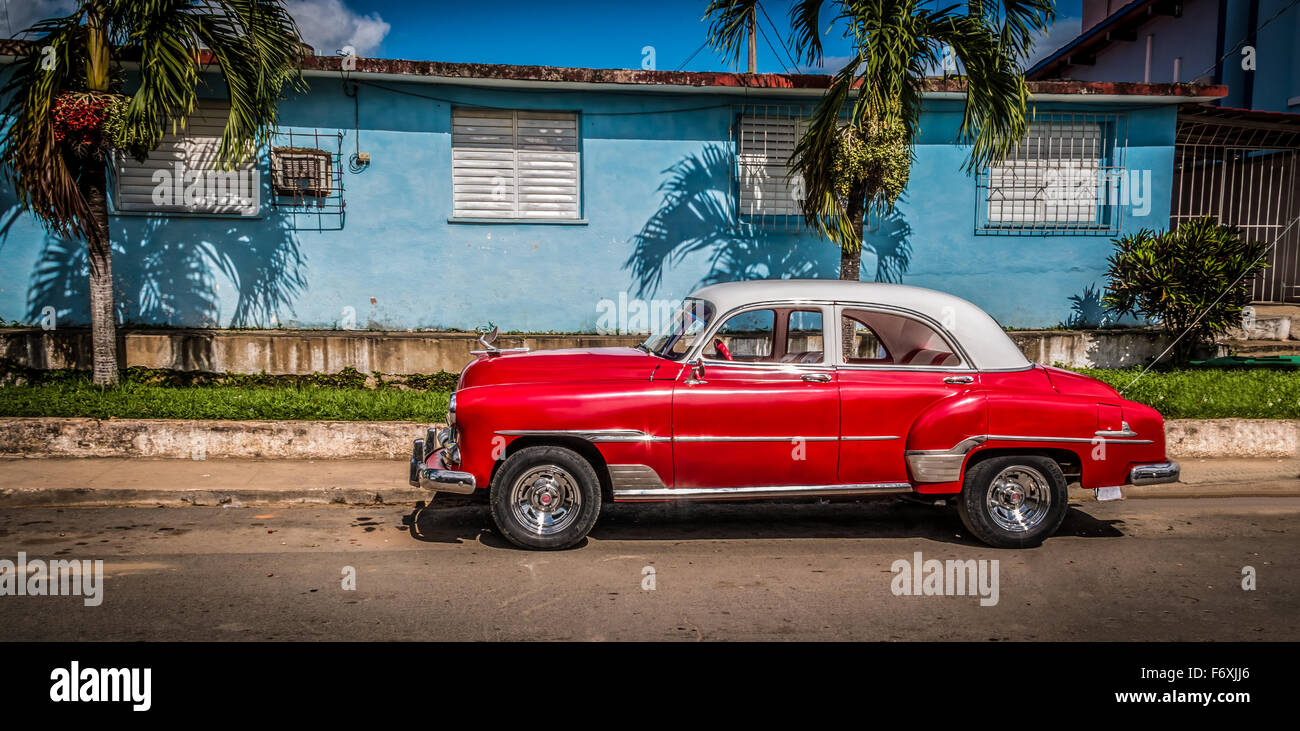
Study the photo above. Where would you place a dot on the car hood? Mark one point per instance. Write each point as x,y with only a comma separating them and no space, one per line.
573,364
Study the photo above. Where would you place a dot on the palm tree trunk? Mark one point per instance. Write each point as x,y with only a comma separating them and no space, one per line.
103,336
851,261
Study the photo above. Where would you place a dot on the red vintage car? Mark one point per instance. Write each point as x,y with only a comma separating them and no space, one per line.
790,389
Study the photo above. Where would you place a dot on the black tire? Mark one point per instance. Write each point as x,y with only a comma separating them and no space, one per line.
537,484
990,511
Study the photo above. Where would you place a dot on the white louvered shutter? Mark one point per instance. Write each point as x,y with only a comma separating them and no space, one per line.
766,146
235,191
1051,176
513,164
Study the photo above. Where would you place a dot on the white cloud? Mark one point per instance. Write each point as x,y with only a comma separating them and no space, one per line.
20,14
329,25
1061,33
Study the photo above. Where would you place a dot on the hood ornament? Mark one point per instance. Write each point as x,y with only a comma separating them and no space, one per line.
486,339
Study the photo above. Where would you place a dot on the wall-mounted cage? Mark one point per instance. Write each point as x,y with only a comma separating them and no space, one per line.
1068,176
307,179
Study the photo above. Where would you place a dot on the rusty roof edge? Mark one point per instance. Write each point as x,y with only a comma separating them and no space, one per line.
469,72
451,72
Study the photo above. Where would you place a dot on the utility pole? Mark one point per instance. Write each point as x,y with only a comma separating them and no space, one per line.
753,49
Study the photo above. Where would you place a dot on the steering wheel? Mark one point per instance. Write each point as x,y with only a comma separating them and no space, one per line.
722,349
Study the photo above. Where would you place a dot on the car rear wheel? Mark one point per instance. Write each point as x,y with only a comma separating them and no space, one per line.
1013,502
545,498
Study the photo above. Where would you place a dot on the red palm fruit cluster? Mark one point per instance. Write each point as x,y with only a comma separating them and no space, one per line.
79,118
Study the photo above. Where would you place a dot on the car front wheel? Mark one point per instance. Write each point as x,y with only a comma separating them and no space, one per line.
1013,502
545,498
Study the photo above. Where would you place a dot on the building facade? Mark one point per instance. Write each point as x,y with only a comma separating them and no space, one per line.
1237,159
416,195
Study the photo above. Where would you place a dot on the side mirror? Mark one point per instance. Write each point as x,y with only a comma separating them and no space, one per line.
697,373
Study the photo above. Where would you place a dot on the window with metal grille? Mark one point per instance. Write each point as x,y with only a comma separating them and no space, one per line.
1062,178
766,193
183,175
514,164
301,172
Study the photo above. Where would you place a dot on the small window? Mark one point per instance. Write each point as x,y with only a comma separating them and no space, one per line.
765,147
746,337
803,337
881,338
514,164
1058,179
183,175
864,345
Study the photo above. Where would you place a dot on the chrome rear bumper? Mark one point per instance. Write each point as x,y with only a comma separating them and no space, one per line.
1154,474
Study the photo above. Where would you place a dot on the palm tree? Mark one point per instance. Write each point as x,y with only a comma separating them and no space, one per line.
70,116
857,151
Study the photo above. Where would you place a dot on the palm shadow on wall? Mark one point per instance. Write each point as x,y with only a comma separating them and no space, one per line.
697,216
168,272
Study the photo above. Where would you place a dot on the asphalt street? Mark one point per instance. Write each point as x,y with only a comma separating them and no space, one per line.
1138,569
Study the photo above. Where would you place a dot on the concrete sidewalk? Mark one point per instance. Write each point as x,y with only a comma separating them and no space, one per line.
114,481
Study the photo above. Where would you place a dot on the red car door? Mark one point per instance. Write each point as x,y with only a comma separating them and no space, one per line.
765,411
894,368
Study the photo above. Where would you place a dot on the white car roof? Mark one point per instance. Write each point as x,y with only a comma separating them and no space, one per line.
979,334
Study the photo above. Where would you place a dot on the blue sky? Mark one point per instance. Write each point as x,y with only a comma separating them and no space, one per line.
579,33
555,33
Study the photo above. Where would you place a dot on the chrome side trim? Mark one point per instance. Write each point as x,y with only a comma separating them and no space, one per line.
712,493
636,435
591,435
944,465
1081,440
641,482
1154,474
709,438
624,477
941,465
881,438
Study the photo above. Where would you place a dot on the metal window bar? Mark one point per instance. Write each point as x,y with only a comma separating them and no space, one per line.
764,195
314,160
1068,176
1252,188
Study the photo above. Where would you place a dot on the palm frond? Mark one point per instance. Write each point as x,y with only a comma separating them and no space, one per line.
43,180
729,25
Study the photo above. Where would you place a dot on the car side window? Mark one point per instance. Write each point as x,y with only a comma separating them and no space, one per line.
804,341
745,337
882,338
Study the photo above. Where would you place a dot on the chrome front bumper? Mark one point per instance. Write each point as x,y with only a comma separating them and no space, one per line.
1154,474
437,478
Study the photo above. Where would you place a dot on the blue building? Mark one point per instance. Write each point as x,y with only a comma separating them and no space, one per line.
420,195
1237,159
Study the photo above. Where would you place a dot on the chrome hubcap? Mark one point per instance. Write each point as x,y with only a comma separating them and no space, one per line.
1019,498
545,500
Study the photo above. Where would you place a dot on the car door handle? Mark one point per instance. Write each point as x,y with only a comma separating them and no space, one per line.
817,377
959,380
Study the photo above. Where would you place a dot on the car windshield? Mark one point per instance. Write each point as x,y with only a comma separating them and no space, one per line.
677,335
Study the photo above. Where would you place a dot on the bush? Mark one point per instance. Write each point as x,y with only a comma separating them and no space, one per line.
1197,271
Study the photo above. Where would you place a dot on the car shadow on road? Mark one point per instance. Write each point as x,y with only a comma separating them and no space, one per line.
886,518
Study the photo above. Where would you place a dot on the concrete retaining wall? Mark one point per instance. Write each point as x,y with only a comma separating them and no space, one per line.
279,351
175,439
183,439
1232,438
329,351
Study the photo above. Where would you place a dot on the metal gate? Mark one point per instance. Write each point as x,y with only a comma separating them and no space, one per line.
1241,167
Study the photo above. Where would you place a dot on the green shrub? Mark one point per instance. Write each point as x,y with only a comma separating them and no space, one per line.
1199,270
